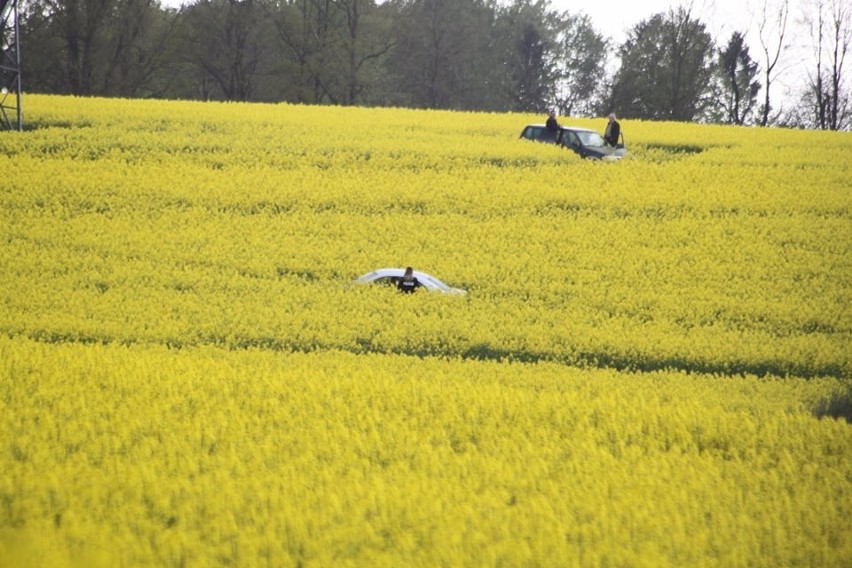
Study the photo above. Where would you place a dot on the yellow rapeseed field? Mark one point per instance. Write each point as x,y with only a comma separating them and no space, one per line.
652,365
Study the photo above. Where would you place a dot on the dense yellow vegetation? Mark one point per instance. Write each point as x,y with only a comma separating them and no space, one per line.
650,368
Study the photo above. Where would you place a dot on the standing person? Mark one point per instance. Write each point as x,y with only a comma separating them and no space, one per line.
408,283
551,123
613,130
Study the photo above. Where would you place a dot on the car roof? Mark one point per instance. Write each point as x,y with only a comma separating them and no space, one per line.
424,278
562,127
382,272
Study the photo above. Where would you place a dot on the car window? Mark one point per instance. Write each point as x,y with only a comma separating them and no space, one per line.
530,133
539,133
548,135
387,280
591,139
570,139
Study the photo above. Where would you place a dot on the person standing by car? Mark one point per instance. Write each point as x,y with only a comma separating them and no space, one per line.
613,130
552,123
408,283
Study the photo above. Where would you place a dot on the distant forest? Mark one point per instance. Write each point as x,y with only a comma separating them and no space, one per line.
480,55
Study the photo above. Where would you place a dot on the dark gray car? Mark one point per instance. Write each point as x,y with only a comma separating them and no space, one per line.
582,141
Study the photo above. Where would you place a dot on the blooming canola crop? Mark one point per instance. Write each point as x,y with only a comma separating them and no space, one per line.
651,365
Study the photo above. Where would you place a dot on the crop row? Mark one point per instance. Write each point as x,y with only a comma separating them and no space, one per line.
150,456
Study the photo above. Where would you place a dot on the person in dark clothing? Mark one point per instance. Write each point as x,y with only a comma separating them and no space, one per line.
551,123
613,131
408,283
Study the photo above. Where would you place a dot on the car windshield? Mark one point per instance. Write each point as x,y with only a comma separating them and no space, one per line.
387,280
590,138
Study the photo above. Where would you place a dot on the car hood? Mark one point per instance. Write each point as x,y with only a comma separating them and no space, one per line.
606,152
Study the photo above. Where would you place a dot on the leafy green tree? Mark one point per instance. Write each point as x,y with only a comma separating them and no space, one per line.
736,86
527,40
665,70
580,66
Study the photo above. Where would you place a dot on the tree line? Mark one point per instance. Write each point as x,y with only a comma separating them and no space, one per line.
482,55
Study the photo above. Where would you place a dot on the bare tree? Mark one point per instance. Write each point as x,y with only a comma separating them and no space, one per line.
308,31
443,53
96,47
81,24
139,34
773,29
222,42
361,46
830,23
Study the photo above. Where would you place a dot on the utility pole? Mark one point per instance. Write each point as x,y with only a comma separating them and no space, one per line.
10,67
